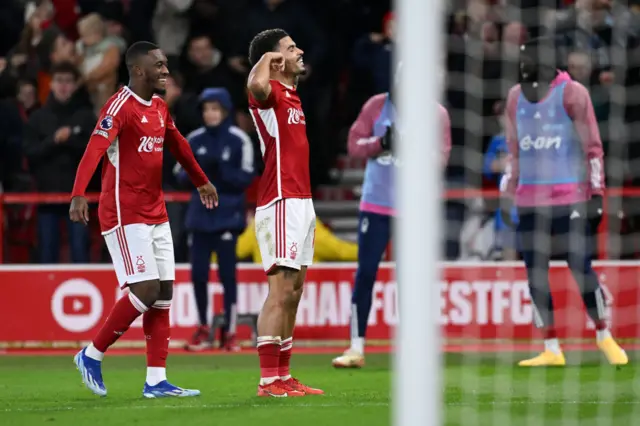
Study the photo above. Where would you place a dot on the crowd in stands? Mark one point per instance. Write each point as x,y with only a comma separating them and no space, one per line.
61,59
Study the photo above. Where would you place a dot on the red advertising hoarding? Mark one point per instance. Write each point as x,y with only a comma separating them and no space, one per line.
67,303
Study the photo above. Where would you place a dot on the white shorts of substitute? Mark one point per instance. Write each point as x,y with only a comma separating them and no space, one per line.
142,253
286,233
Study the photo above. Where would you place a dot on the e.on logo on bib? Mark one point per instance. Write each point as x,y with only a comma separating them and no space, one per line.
77,305
540,142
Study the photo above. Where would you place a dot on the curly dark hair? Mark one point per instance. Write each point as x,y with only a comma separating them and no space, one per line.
266,41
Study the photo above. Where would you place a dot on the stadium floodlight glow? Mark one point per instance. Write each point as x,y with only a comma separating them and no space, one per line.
417,391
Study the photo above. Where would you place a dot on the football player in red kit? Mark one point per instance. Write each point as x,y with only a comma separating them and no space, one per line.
285,219
132,130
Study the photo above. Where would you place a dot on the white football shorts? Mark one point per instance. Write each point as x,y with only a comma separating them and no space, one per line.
286,233
142,252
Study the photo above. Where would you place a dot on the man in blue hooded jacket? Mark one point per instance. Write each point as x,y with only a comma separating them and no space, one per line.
225,153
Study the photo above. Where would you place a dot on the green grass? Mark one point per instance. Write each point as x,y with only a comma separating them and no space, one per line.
478,389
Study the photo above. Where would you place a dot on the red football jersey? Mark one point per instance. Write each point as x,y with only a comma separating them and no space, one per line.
130,135
282,131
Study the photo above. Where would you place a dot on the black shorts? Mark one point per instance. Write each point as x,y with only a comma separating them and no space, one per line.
555,231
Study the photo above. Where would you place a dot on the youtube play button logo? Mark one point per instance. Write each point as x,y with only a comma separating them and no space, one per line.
77,305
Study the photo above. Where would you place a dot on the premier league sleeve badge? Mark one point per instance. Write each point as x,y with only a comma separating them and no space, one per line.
106,123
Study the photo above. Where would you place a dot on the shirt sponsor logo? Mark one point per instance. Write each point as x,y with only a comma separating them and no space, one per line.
101,133
540,143
296,116
151,143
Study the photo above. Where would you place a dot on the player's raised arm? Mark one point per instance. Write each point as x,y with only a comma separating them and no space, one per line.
580,108
259,79
445,122
106,130
181,150
361,142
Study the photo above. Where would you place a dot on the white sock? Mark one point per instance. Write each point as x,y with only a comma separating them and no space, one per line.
268,380
602,334
357,344
552,345
155,375
93,353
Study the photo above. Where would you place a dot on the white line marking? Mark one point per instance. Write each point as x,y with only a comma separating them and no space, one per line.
321,405
219,406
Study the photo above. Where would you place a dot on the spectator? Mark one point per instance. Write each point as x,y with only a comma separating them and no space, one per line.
171,25
183,105
55,138
588,26
23,59
100,57
205,67
114,18
11,127
372,55
66,14
292,17
54,49
27,97
579,66
11,16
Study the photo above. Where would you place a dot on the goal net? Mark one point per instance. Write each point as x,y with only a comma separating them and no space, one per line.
486,312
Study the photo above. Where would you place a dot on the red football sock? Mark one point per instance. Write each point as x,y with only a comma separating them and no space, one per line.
549,333
157,330
285,358
126,310
269,353
601,325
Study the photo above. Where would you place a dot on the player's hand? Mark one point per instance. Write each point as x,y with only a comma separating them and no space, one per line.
79,210
594,212
208,195
387,140
276,59
376,38
62,134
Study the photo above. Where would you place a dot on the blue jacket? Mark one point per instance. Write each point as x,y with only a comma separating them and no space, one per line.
497,147
225,153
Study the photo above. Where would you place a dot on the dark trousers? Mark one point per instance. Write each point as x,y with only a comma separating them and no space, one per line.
49,218
563,230
224,245
373,237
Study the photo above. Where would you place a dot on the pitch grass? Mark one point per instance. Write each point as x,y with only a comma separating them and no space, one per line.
479,389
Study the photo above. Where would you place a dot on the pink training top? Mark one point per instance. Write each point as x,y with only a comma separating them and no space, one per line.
365,136
578,106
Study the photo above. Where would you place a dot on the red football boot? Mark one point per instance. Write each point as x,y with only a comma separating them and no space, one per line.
230,344
296,385
278,389
200,340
